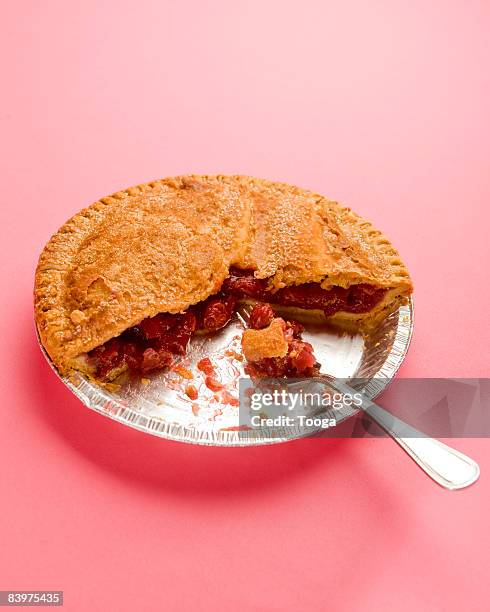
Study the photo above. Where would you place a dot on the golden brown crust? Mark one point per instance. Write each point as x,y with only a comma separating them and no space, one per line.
268,342
163,246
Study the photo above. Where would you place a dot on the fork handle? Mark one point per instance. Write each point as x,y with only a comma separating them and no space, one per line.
445,465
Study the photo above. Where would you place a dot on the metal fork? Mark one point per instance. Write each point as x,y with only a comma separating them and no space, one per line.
448,467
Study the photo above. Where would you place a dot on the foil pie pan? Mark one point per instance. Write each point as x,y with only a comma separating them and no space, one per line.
159,405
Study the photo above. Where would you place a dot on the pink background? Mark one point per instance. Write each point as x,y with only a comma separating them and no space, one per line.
381,105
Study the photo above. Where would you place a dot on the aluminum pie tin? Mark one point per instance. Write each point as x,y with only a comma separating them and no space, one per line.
158,404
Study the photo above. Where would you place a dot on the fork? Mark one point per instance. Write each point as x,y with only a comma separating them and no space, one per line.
447,466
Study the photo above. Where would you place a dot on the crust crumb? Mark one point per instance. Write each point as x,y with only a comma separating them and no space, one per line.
262,343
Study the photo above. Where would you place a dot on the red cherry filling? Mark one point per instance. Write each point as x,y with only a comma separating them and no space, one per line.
146,347
215,312
299,360
356,299
108,357
206,366
154,360
151,344
261,316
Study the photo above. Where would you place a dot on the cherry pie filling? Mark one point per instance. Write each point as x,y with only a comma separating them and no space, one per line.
309,296
299,360
154,343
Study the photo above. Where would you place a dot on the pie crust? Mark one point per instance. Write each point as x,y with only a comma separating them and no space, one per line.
274,348
265,343
166,245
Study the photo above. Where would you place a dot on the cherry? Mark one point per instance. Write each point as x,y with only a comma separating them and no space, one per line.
217,312
261,316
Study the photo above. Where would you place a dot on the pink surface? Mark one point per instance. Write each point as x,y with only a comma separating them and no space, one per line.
382,105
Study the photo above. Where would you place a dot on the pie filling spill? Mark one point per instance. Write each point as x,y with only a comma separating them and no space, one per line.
153,343
274,347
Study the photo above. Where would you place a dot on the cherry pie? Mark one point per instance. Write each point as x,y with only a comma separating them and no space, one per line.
125,283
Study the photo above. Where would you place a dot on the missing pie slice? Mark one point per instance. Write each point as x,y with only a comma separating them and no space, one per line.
125,283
